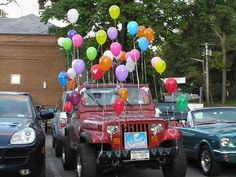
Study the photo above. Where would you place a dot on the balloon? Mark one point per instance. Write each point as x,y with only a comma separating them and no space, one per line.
155,60
182,103
105,63
71,33
62,78
140,32
149,34
101,37
130,64
74,98
114,11
123,93
123,56
77,40
119,105
96,71
160,66
68,107
72,15
122,73
132,27
91,53
115,48
78,65
60,41
112,33
71,73
170,85
109,54
71,84
135,55
143,43
67,43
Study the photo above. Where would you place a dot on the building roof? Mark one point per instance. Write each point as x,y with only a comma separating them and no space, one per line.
29,24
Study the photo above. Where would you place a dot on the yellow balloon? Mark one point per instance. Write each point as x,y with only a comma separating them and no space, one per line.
160,66
101,37
114,11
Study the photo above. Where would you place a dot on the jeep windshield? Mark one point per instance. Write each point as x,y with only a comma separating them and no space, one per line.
105,96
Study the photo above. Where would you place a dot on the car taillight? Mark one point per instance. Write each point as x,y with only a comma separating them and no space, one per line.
62,123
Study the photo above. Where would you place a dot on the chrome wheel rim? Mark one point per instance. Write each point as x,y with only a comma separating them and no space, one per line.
78,167
205,161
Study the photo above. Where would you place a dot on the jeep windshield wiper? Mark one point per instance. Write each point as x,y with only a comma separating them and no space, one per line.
99,104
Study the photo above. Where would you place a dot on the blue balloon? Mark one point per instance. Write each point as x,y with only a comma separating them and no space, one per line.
143,43
132,27
62,78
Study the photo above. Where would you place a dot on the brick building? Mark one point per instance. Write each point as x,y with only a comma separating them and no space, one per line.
30,59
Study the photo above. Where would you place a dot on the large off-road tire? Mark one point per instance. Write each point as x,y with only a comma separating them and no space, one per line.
208,165
176,165
58,148
86,161
68,156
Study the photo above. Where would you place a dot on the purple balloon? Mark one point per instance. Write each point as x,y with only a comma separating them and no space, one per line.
75,98
71,33
122,73
112,33
78,65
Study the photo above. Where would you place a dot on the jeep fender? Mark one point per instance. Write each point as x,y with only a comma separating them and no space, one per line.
95,137
172,134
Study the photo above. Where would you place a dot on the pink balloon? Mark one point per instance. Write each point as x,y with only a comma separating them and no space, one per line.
127,55
77,40
115,48
135,55
155,60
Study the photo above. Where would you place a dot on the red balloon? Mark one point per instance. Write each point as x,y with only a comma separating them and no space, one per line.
118,105
68,107
96,71
171,85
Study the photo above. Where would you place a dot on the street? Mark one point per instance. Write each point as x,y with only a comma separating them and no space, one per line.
54,168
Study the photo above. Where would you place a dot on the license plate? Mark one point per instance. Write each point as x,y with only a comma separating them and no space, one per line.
135,140
139,155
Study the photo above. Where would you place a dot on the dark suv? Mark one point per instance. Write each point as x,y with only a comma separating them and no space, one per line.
97,138
22,139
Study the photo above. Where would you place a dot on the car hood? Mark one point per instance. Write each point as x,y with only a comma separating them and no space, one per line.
9,126
221,129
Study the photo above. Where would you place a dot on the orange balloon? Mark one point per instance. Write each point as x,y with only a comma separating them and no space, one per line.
123,57
141,30
123,93
71,84
149,34
105,63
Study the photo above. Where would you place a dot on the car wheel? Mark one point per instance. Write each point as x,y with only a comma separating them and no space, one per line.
176,165
86,161
58,148
68,156
208,165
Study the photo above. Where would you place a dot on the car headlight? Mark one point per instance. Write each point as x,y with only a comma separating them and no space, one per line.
112,129
156,128
224,142
25,136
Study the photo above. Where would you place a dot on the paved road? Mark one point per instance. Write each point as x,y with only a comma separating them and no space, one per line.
55,169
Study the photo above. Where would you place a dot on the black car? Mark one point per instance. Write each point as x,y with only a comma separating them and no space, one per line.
22,139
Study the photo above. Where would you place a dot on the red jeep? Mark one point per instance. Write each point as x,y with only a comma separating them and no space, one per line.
98,138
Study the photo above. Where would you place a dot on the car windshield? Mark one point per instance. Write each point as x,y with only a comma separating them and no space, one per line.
15,106
212,116
106,96
168,107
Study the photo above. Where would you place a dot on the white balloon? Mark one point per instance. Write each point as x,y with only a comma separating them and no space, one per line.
71,73
130,64
109,54
72,15
60,41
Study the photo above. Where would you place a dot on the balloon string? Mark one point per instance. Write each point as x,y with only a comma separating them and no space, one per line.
173,104
142,70
145,69
67,60
155,84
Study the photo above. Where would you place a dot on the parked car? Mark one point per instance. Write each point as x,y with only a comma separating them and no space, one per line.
98,138
22,139
58,124
210,138
41,108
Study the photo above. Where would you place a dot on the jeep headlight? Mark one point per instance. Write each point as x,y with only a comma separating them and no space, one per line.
25,136
156,128
112,129
224,142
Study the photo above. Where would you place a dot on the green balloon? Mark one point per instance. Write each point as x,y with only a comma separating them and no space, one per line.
182,103
91,53
67,44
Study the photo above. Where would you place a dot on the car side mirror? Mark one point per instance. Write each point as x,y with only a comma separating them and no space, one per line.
46,114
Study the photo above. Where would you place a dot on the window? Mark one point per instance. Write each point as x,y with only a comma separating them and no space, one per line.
15,79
